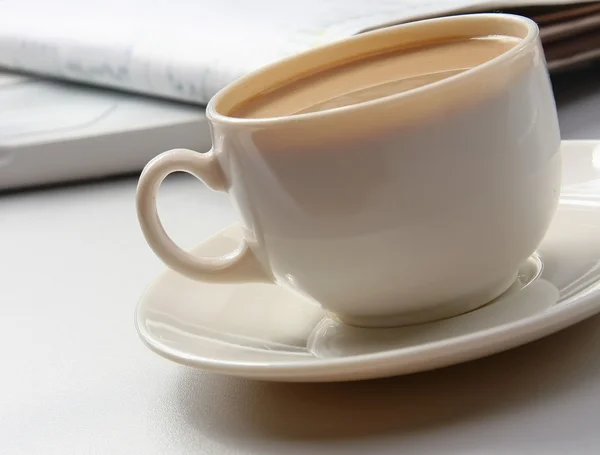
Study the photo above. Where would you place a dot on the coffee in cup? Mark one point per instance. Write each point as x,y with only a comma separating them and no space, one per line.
395,177
376,76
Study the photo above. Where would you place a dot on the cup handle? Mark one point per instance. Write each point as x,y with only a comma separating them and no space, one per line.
238,265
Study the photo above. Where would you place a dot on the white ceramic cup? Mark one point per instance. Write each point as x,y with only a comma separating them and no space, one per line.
400,210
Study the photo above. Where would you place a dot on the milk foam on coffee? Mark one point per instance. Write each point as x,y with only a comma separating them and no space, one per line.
374,76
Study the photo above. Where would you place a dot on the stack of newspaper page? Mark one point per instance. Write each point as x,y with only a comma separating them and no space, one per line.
187,50
570,32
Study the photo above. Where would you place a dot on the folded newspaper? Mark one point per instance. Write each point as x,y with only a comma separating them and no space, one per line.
189,49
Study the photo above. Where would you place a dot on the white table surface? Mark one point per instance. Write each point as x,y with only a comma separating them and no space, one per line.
75,379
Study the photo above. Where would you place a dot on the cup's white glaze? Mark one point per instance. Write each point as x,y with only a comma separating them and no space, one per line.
401,210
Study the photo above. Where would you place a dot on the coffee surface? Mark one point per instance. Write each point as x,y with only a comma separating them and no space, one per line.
374,76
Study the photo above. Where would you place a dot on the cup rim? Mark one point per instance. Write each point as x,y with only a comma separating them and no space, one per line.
216,117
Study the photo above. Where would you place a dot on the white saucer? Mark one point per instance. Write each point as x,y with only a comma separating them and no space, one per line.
262,331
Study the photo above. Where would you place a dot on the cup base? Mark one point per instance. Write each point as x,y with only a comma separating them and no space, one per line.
443,311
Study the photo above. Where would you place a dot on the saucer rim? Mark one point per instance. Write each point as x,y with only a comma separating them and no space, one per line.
398,361
388,362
